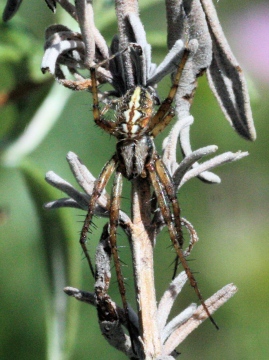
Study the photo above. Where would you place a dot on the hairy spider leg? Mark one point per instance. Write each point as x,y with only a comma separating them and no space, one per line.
113,222
110,127
165,114
99,186
166,181
116,190
162,198
163,117
193,240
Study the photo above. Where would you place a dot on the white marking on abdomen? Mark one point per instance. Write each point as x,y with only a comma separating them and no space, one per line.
124,128
136,116
135,129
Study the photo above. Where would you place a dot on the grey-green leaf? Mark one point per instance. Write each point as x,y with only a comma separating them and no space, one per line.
226,78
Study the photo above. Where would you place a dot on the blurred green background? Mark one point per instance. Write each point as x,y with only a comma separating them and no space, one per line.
39,249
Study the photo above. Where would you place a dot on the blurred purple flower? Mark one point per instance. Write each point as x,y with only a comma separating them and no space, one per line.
250,36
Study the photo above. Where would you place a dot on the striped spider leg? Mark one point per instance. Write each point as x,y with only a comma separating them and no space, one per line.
135,128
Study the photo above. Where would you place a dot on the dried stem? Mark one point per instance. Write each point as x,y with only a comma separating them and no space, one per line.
142,243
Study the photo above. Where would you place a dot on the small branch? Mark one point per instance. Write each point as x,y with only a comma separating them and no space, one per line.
212,163
189,161
169,297
213,303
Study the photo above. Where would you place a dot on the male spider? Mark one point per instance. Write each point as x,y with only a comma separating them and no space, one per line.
135,128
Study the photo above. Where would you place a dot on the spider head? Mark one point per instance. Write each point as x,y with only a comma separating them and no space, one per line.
134,112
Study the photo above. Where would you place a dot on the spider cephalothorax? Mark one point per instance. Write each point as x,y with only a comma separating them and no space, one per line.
133,155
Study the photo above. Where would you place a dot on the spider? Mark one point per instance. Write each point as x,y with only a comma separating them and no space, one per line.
135,127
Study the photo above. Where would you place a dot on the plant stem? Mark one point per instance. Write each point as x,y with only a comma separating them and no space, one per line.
142,242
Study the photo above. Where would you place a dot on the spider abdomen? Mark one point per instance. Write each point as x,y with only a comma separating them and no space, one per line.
133,155
134,112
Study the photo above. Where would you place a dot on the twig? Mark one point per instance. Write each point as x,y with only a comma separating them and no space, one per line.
142,243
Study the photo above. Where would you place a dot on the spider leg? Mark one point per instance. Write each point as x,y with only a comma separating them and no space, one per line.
165,114
163,123
99,186
171,193
193,240
162,198
114,222
108,126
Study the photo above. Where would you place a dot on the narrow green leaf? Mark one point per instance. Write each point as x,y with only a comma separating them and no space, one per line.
62,262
